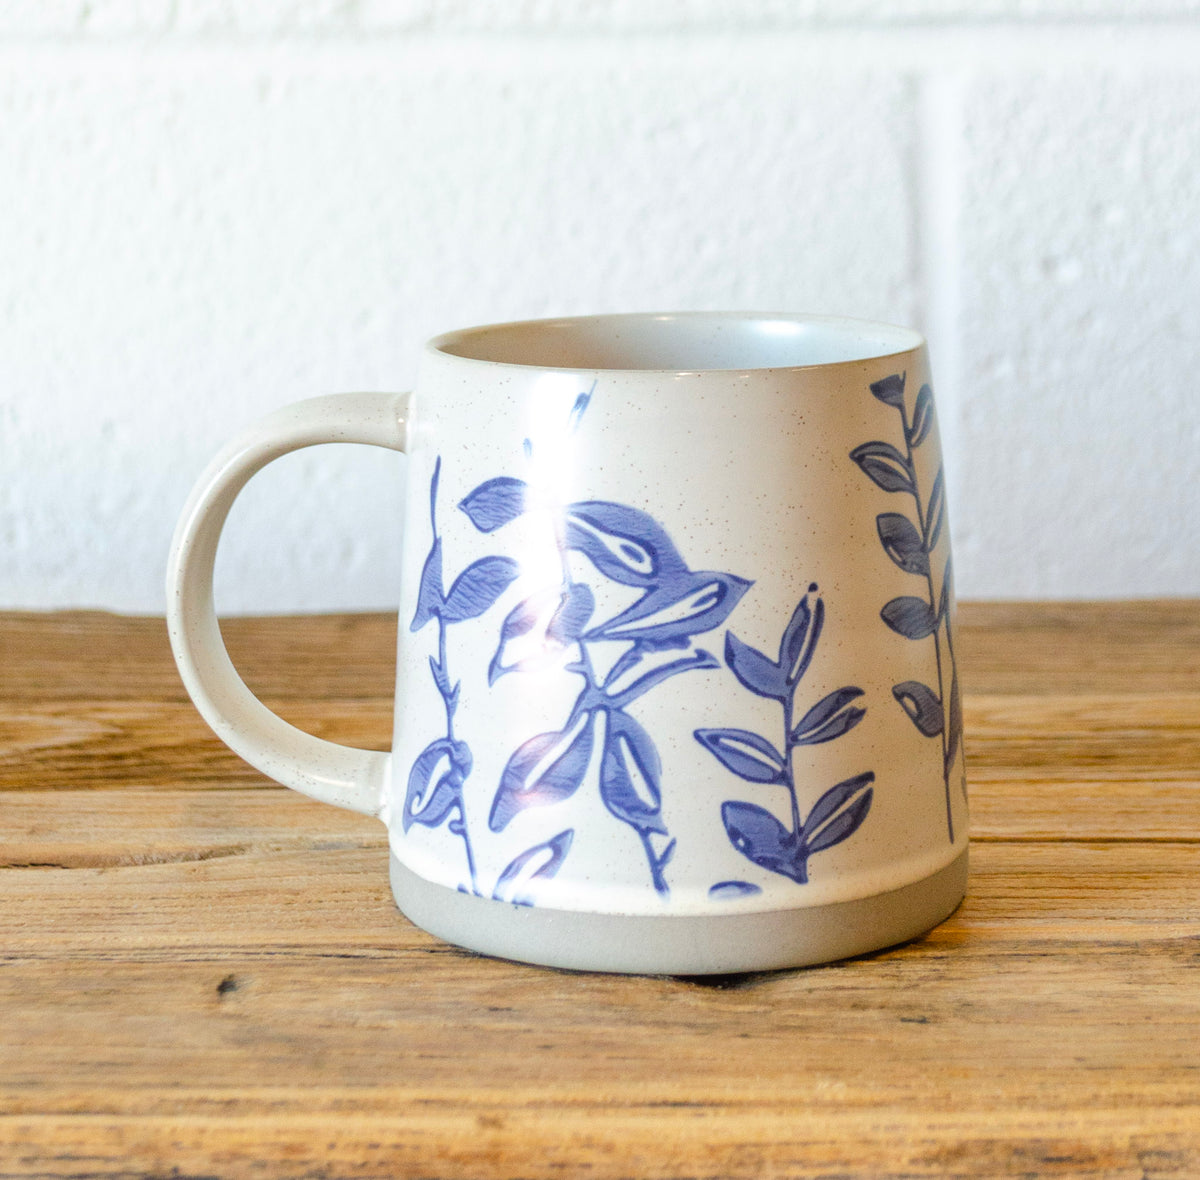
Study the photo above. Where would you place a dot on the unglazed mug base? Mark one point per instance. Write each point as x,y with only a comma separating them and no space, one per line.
719,944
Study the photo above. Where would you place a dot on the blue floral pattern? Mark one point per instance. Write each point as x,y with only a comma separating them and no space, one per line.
435,783
935,713
672,603
756,832
618,653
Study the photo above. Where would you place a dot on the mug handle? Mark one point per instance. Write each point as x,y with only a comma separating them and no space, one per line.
328,771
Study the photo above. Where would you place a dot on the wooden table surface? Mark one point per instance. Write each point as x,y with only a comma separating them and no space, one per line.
202,974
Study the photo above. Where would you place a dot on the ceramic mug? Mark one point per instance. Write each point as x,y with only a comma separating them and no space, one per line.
676,678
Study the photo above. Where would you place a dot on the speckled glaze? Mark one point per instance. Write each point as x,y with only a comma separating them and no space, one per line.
663,654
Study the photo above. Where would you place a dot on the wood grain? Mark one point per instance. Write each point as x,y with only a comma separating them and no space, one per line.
1005,647
202,974
135,743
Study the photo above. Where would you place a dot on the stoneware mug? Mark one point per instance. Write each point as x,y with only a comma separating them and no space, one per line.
676,680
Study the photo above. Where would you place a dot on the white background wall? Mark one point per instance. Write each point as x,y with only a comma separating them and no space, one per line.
209,208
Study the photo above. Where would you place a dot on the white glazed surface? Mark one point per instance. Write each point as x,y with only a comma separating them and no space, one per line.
748,471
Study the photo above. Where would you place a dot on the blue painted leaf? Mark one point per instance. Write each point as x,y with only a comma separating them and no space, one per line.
544,770
728,890
795,634
800,639
921,704
946,598
838,813
625,544
890,390
478,587
954,722
429,596
747,754
580,408
575,608
835,727
540,862
911,617
922,419
522,618
494,503
631,774
758,835
902,542
935,515
757,672
692,663
685,604
631,658
886,466
446,764
829,718
540,628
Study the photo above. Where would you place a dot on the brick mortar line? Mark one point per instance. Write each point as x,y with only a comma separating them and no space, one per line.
978,47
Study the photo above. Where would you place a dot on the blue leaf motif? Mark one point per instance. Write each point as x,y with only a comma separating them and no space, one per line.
799,642
909,616
478,587
547,623
829,718
947,594
580,408
520,622
684,605
495,503
902,542
524,616
757,672
754,831
545,769
631,774
575,609
921,704
540,862
623,543
758,835
890,390
885,465
747,754
954,722
728,890
430,807
922,419
838,813
693,662
430,595
935,514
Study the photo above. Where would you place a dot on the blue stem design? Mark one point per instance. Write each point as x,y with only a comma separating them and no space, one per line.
922,524
935,714
755,831
450,699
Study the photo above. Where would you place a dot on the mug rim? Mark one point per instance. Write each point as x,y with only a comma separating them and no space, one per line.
903,340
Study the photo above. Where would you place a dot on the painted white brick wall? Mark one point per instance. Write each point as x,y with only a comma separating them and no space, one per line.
210,208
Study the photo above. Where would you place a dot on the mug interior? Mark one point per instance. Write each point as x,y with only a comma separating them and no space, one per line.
679,342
